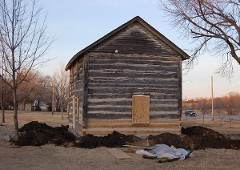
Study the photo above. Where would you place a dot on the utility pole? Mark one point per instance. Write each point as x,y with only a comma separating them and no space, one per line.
53,94
212,98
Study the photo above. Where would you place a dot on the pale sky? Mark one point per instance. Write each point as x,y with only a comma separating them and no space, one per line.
76,24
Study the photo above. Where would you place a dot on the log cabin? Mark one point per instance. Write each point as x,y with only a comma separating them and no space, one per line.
128,81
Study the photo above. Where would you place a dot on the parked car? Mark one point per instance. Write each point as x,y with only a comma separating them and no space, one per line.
191,113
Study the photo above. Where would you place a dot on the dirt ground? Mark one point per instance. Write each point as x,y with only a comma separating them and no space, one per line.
58,157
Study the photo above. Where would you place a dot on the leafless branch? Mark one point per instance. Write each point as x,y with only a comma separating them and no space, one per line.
23,42
209,22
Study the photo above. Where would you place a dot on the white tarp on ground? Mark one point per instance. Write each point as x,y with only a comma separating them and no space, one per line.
164,151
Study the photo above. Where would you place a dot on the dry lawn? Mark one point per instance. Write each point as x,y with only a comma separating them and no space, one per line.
57,157
225,126
44,117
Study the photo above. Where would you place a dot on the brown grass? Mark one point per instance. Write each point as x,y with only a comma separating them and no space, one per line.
44,117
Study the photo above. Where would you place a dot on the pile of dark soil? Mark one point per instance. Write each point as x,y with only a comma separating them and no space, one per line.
207,138
192,138
196,137
178,141
37,134
115,139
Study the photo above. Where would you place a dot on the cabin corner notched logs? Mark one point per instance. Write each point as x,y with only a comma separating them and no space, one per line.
133,60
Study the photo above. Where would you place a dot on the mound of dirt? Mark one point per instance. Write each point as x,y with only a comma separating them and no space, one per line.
207,138
115,139
37,134
192,138
178,141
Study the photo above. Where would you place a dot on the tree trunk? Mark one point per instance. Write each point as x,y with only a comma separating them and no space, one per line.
3,115
24,105
15,107
3,110
2,103
53,96
68,111
62,109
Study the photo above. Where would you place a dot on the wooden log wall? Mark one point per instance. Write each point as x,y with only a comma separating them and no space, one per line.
114,78
134,61
110,89
76,93
135,39
76,78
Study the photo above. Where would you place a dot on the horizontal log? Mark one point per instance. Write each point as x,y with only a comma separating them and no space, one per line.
112,109
129,95
134,49
113,56
127,131
133,75
130,112
127,121
128,108
164,112
130,125
109,102
109,116
164,101
131,67
131,90
131,85
127,71
133,81
106,55
133,61
164,104
129,116
168,116
107,112
164,108
131,42
117,121
129,103
172,96
137,59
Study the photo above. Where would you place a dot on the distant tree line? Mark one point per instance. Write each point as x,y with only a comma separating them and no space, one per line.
229,104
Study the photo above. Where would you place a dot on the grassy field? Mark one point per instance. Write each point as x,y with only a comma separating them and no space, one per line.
44,117
223,124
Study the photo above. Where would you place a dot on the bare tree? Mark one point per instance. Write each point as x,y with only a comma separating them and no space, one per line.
61,79
2,99
203,106
214,25
34,87
23,42
219,107
231,103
